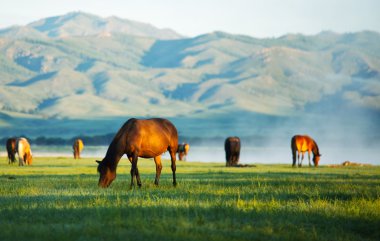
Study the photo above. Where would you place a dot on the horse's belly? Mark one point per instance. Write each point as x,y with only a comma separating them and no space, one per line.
149,153
149,149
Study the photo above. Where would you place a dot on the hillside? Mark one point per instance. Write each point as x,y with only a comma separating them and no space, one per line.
82,67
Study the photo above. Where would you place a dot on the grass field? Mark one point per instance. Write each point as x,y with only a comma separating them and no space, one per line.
58,199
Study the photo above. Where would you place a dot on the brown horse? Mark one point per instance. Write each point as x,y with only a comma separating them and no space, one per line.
24,152
183,150
77,148
302,144
232,148
140,138
11,150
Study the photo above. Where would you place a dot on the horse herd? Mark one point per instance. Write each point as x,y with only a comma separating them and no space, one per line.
150,138
21,147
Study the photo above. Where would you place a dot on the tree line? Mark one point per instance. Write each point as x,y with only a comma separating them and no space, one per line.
105,140
99,140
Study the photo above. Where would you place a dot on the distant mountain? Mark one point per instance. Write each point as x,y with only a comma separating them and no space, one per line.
80,66
84,24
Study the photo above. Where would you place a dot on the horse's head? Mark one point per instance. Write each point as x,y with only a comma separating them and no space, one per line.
316,159
29,159
106,174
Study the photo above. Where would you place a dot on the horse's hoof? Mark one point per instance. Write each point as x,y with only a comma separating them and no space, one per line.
174,184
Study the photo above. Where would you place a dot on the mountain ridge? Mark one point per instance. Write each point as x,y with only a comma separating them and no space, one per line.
75,67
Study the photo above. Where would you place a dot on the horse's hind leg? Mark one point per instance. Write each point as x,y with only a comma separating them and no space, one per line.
173,166
294,155
309,158
157,160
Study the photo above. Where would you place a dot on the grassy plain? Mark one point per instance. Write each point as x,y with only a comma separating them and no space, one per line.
58,199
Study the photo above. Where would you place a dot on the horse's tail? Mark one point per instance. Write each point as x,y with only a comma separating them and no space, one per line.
293,146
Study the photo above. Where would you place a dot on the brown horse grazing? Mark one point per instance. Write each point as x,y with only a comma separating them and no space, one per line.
77,148
24,152
232,148
183,150
140,138
302,144
11,150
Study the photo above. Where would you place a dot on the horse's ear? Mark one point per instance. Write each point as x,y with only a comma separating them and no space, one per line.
98,161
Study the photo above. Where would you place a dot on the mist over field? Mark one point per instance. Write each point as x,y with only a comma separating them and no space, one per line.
80,74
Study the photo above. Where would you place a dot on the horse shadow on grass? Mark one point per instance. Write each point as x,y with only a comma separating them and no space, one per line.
160,222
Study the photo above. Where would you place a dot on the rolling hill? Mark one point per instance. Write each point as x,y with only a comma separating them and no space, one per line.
82,67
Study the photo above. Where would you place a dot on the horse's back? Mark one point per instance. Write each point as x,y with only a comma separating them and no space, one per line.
232,144
302,143
23,150
151,136
183,148
79,144
156,128
22,145
187,148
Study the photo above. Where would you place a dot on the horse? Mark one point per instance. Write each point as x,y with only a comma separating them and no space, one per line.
183,150
232,148
302,144
24,152
11,150
77,148
148,138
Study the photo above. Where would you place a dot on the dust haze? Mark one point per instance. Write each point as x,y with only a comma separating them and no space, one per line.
342,134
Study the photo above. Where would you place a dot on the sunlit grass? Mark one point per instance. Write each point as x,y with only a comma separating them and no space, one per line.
58,199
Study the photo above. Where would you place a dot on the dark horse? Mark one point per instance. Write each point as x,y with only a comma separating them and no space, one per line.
302,144
11,149
232,148
140,138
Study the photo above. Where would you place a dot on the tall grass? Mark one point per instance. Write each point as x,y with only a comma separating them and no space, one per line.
58,199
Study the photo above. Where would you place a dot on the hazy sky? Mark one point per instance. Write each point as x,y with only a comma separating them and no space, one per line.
266,18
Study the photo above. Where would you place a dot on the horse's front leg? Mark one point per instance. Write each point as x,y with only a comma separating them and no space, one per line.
309,158
157,160
298,159
302,156
134,170
132,176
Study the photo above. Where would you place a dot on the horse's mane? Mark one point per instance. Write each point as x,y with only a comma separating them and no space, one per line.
117,143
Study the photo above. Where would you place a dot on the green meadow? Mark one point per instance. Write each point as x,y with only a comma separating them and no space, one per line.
58,199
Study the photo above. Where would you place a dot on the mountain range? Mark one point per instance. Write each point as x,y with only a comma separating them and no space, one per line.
81,67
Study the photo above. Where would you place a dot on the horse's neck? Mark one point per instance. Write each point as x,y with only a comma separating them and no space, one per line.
114,153
315,149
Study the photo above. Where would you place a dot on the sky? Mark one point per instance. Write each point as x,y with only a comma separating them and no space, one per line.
266,18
